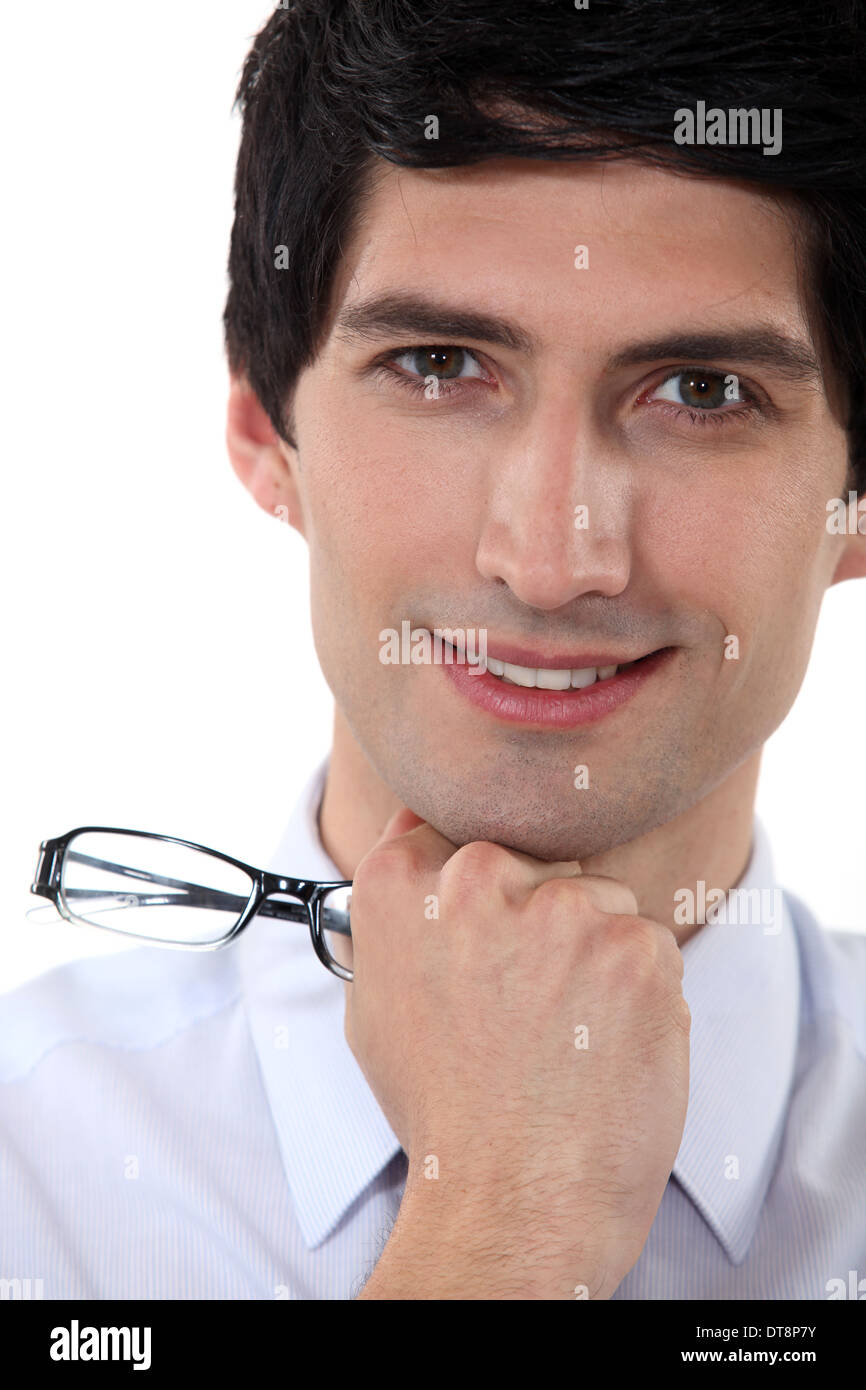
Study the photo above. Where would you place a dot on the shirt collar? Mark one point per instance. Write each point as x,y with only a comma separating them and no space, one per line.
742,986
333,1137
741,983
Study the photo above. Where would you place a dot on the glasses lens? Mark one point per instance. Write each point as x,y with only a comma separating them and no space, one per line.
152,888
335,925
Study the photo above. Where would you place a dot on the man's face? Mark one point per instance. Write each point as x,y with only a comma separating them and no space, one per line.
705,513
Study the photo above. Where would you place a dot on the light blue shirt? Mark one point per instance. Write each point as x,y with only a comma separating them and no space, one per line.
194,1125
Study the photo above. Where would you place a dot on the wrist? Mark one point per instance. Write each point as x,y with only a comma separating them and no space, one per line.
453,1244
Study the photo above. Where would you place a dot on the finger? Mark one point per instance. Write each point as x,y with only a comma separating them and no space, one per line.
610,894
402,820
435,850
607,894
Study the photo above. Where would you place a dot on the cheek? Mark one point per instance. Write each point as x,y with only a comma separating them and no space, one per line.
753,557
382,520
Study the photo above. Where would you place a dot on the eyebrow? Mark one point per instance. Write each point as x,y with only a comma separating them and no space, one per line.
432,321
412,313
761,345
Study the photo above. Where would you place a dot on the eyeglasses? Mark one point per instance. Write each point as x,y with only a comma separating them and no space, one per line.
202,899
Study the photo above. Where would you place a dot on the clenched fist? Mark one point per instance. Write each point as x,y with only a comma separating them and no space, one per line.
526,1035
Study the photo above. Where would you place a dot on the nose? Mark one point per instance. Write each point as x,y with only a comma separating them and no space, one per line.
558,521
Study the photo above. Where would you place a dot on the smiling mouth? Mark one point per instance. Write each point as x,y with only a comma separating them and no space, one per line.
540,697
543,678
548,678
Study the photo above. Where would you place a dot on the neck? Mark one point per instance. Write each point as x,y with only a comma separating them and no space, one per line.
711,841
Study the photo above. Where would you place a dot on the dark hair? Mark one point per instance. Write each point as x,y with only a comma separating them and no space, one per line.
330,84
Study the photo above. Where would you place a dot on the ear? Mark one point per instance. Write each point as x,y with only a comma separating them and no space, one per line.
262,461
852,560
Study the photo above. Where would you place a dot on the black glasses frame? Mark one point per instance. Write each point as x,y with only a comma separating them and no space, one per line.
310,892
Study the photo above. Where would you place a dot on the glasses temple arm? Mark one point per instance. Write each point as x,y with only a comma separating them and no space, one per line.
196,895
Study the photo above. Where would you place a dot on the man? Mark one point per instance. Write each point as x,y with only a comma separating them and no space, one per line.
521,366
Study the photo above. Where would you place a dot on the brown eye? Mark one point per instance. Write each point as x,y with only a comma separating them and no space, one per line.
699,390
444,362
448,363
702,390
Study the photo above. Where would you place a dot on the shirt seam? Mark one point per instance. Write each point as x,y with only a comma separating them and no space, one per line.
121,1046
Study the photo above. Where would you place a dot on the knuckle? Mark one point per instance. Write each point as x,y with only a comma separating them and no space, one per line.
475,867
637,952
363,880
685,1011
681,1014
559,897
639,937
386,864
670,955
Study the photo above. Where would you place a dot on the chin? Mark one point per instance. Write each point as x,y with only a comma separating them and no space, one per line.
549,843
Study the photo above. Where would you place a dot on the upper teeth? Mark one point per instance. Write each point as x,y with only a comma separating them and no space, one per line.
547,679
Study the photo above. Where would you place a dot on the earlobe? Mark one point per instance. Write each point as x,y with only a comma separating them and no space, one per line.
261,460
852,564
852,561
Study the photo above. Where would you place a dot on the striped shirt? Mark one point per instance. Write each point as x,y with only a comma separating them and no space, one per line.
193,1125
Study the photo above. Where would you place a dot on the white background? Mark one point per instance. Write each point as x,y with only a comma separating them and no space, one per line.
159,671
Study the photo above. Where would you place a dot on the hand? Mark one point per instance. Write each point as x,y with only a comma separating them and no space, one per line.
529,1044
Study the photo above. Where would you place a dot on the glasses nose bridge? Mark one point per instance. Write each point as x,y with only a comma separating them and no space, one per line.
271,884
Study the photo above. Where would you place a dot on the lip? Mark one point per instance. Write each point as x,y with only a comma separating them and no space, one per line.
558,661
559,709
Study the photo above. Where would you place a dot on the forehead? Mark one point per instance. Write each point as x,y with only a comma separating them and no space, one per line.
506,232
